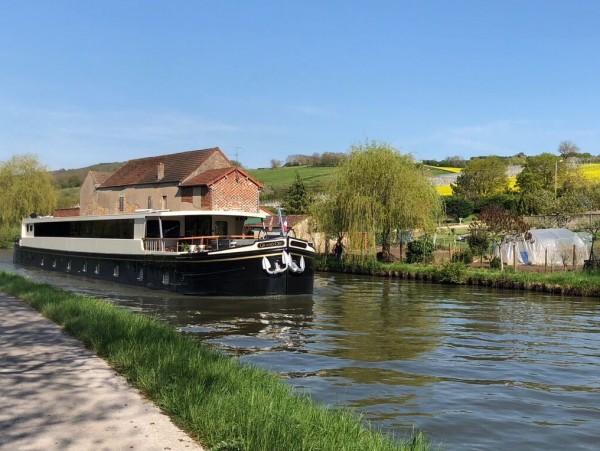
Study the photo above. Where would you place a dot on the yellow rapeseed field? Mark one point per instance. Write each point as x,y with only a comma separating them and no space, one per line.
444,190
591,171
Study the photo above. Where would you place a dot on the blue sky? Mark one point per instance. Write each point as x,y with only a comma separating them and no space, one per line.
84,82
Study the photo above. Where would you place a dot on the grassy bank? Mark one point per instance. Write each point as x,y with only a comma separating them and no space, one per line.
575,283
224,404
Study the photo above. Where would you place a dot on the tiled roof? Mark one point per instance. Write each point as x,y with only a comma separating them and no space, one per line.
177,167
214,175
100,177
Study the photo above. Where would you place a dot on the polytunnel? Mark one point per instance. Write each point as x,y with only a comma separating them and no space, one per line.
548,246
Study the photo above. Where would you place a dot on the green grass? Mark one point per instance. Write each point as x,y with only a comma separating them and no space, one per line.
312,176
576,283
224,404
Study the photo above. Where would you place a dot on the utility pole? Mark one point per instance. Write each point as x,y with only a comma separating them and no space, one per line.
237,148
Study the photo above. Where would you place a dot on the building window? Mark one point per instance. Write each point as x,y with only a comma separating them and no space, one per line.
116,271
54,263
140,275
163,203
97,268
150,203
69,265
42,262
165,278
121,202
187,194
84,269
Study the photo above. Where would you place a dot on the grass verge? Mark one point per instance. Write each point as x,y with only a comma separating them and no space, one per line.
225,405
574,283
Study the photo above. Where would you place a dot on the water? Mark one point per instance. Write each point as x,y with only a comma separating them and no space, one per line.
474,368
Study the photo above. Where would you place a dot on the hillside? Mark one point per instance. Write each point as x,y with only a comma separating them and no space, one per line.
69,177
313,176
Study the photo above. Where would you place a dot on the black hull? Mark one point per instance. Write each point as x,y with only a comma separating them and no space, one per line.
214,274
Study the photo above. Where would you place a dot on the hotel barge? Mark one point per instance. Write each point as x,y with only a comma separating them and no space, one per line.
167,250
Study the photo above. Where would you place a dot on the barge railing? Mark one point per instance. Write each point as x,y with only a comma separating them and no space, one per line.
203,243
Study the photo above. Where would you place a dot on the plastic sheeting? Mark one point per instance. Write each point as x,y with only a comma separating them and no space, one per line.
557,243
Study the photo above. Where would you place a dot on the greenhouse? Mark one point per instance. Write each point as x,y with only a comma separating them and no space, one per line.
555,247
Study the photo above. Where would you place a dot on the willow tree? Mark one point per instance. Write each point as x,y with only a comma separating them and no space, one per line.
377,189
25,187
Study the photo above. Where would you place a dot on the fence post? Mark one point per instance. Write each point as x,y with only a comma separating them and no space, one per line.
574,257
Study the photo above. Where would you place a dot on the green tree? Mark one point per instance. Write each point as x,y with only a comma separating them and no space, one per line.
458,207
571,204
25,187
481,177
377,189
540,172
297,199
536,201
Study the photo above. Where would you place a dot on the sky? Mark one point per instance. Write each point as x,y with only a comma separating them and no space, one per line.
85,82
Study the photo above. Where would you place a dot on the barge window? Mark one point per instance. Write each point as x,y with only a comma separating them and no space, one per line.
97,268
111,228
221,228
140,275
170,229
84,269
165,278
69,265
116,270
198,225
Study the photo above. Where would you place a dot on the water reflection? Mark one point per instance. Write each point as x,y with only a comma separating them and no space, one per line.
476,368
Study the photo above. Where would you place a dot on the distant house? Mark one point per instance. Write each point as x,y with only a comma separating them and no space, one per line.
194,180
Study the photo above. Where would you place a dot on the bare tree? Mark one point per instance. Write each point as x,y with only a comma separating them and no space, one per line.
568,149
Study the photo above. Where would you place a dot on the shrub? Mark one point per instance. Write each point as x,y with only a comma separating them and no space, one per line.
495,263
453,273
420,251
478,241
463,256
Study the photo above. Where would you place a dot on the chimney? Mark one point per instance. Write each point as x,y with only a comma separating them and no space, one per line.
160,171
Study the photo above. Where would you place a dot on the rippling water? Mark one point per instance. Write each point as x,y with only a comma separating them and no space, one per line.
474,368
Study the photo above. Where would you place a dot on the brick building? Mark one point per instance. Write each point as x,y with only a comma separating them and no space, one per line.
194,180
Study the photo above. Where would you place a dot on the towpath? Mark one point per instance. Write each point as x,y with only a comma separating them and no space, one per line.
56,395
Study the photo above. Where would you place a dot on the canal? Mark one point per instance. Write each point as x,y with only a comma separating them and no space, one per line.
473,368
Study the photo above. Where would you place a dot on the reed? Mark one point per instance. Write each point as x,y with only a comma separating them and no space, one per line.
224,404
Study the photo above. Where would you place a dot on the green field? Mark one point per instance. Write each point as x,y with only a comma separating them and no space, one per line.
312,176
315,176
